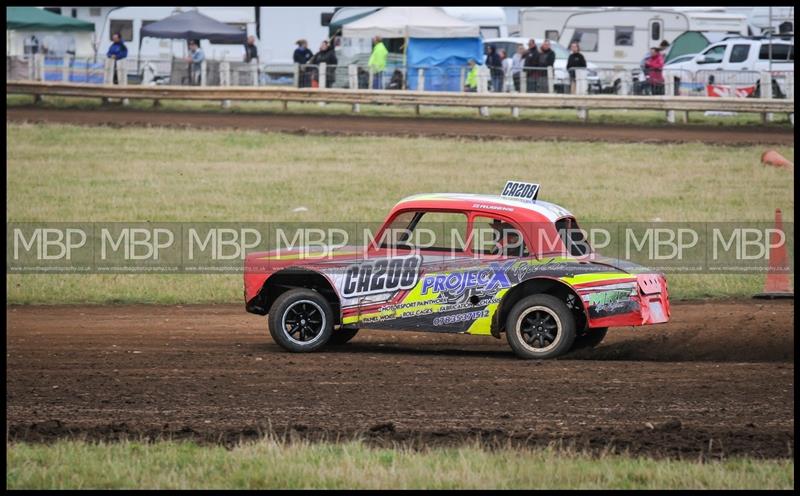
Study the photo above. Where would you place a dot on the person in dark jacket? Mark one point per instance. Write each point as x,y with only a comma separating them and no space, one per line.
250,49
326,55
547,57
495,65
117,51
396,83
575,60
301,56
531,64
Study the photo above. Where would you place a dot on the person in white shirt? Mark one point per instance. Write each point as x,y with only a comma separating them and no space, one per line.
507,65
516,66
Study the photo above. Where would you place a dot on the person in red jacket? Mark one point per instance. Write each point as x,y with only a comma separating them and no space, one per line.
654,70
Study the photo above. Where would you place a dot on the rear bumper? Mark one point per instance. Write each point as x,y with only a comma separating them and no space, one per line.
642,301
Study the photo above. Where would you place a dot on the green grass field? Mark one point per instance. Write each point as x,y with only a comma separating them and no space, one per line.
69,173
270,464
635,117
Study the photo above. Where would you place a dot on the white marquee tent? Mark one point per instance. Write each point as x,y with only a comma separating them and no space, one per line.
410,22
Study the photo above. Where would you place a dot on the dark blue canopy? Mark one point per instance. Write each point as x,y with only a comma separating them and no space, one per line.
193,25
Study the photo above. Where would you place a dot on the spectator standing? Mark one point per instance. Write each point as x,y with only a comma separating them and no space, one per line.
547,57
196,59
495,66
301,56
575,60
377,62
532,65
326,55
654,67
516,66
117,51
507,66
471,84
250,50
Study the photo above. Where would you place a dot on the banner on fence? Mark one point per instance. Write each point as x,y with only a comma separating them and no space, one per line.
727,91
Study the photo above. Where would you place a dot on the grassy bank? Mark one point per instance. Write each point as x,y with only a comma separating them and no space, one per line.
631,117
267,464
70,173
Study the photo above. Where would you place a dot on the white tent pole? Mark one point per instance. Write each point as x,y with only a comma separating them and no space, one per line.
405,59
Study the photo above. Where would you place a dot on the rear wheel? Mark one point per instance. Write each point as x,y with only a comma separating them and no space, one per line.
300,320
589,338
342,335
540,326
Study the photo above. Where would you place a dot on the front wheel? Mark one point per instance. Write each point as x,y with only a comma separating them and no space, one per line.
540,326
300,320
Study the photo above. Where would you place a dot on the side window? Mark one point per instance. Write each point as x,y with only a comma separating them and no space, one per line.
489,32
587,38
739,53
551,34
491,236
714,55
623,35
124,28
241,26
398,233
445,231
655,30
779,52
437,231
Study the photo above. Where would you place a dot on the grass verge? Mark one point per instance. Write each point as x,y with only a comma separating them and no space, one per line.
269,464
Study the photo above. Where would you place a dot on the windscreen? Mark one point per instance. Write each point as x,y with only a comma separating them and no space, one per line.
573,237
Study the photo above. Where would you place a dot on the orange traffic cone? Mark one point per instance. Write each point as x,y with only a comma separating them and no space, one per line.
775,159
777,284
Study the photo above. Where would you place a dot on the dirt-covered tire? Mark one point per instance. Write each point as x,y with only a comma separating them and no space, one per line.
589,338
540,326
341,336
300,320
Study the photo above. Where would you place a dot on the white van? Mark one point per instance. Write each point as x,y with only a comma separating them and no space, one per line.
739,53
740,60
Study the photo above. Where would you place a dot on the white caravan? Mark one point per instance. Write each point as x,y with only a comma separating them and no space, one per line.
619,38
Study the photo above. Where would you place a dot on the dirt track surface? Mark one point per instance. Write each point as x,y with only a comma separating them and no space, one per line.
402,126
715,381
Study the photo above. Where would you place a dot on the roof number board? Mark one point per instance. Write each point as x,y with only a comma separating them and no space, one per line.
520,191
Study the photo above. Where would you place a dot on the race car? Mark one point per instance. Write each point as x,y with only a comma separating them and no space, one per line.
458,263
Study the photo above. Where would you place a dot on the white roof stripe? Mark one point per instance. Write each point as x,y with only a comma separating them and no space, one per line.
549,210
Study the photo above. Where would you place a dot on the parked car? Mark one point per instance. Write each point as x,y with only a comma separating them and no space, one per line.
508,264
739,61
559,67
681,59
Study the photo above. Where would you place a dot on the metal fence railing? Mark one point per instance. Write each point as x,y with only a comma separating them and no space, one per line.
180,72
581,82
